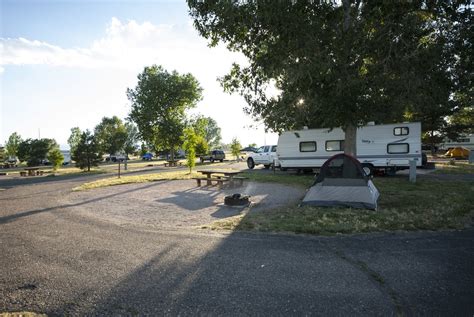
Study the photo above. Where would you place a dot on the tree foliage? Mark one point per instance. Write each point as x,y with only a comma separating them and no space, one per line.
460,123
87,152
55,157
201,146
189,145
132,136
159,104
235,148
34,151
12,145
2,155
111,135
341,64
207,128
74,140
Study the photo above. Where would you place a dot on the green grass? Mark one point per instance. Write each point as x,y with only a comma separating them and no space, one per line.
72,171
113,181
425,205
281,178
457,168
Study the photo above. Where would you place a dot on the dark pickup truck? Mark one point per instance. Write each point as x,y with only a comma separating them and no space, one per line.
215,155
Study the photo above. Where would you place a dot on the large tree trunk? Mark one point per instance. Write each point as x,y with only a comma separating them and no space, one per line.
350,143
172,154
350,146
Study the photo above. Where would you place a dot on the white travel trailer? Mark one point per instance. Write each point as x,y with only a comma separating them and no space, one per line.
389,147
466,141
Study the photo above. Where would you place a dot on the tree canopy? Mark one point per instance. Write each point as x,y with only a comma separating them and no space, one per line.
132,137
12,145
111,135
207,128
74,140
159,103
34,151
341,64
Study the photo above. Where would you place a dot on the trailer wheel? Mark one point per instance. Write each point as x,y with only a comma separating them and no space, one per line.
250,163
368,169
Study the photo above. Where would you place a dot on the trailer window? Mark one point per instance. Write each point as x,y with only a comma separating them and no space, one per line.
401,131
308,146
335,145
398,148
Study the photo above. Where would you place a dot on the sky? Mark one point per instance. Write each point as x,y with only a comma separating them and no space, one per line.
68,63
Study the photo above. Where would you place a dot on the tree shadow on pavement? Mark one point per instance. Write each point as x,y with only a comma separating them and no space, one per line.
15,216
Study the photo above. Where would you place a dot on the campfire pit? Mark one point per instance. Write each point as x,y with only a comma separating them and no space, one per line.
236,200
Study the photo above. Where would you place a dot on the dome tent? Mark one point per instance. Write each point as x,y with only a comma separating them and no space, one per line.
342,182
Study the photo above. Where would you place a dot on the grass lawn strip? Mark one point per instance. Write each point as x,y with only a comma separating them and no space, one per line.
113,181
425,205
457,168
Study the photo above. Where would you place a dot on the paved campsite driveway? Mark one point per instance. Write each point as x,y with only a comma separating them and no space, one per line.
65,253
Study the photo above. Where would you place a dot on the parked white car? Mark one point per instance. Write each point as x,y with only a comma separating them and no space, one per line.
266,155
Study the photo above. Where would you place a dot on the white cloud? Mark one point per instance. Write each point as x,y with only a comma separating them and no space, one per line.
125,45
122,52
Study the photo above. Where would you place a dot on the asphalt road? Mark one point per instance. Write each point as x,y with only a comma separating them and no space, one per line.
57,261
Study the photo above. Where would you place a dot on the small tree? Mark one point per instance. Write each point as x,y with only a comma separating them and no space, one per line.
189,144
56,158
87,151
12,145
235,148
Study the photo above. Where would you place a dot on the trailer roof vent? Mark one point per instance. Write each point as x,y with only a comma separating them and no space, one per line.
371,123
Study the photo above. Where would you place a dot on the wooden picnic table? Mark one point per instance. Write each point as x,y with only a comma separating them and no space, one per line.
173,163
229,174
31,170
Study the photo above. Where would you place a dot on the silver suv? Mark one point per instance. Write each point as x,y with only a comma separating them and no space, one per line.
215,155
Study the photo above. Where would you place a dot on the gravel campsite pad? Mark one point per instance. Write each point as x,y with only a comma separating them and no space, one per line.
178,203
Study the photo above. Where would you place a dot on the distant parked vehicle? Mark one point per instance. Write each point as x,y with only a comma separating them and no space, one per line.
147,157
116,158
215,155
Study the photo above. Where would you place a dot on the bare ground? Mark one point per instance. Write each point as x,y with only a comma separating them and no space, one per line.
177,203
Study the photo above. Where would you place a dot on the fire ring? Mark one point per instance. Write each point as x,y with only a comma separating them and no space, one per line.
237,200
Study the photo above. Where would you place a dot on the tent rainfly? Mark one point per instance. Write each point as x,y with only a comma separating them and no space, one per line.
342,182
